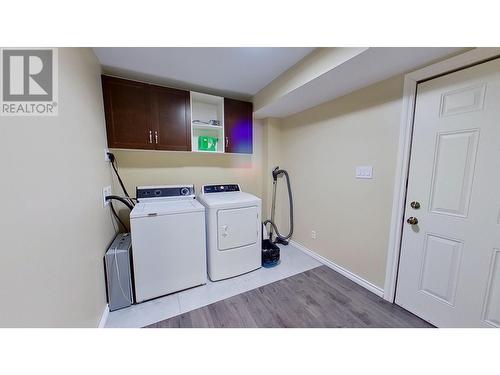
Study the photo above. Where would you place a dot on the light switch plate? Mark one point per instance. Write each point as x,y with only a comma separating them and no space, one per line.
364,171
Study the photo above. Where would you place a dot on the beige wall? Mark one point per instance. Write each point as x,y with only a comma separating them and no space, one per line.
54,230
320,148
271,158
167,168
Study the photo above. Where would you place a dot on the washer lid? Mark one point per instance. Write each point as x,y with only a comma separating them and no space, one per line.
228,199
159,208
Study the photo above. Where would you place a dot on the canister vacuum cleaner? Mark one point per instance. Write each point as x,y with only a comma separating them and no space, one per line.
270,251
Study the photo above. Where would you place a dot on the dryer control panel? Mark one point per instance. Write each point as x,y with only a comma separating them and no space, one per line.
220,188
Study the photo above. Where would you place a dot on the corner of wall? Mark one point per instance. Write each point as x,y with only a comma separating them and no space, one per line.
272,158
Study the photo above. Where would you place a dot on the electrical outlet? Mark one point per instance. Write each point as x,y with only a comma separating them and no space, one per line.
106,156
106,191
313,234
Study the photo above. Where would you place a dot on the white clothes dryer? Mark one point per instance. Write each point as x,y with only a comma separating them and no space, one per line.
233,220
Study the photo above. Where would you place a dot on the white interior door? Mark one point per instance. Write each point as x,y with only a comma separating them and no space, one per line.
449,271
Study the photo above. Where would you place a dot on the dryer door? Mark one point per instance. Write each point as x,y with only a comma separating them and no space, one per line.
237,227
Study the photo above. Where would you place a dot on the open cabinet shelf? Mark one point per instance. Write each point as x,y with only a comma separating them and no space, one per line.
206,108
204,126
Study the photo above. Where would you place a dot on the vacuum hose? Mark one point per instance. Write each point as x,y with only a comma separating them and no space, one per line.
279,236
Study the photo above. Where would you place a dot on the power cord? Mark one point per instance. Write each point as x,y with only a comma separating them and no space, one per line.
114,164
125,201
118,217
128,201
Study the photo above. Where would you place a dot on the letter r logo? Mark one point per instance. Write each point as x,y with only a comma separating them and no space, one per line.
27,75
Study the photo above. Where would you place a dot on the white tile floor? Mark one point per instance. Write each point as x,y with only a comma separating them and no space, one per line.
293,261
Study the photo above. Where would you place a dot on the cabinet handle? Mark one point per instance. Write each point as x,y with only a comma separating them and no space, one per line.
156,137
150,136
227,141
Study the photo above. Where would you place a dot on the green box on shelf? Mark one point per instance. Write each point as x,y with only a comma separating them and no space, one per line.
207,143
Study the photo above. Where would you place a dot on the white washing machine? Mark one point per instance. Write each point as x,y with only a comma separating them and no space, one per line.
168,241
233,220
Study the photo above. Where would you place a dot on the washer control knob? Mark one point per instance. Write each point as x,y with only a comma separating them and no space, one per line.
184,191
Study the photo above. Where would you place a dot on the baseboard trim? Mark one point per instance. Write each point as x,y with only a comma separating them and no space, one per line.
344,272
104,317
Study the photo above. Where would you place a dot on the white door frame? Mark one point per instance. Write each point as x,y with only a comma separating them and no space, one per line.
411,80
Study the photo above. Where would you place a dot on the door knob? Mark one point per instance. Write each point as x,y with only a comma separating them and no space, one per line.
412,220
415,205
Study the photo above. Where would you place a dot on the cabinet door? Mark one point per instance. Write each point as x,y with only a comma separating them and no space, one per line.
171,119
238,126
128,113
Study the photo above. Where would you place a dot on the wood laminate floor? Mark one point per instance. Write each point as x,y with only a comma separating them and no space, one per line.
319,297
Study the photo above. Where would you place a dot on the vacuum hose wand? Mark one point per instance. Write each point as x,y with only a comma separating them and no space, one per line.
279,237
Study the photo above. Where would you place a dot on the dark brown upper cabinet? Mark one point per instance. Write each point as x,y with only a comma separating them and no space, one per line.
151,117
238,126
144,116
171,119
127,106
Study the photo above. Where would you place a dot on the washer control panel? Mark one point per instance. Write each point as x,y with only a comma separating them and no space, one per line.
220,188
168,191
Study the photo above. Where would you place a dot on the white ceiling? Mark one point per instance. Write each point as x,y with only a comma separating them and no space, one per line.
371,66
240,72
